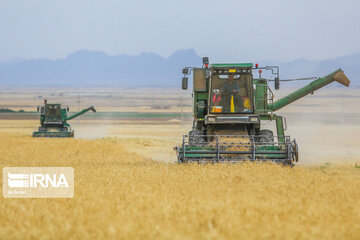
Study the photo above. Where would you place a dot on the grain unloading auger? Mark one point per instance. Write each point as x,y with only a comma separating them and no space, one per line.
228,108
53,120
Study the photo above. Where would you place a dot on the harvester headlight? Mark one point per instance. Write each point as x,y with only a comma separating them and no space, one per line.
253,119
211,119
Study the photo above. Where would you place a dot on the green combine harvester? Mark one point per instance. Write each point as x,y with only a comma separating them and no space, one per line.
53,120
229,106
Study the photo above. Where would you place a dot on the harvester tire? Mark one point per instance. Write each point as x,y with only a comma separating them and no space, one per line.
196,137
266,136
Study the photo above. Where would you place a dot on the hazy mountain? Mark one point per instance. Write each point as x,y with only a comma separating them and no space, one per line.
94,68
301,68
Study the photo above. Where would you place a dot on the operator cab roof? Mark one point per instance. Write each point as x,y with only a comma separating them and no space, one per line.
53,104
231,68
231,65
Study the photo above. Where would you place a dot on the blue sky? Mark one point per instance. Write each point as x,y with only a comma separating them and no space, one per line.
226,30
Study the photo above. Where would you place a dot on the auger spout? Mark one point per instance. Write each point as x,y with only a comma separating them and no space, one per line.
81,112
338,76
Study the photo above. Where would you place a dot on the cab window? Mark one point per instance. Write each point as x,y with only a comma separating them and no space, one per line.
231,93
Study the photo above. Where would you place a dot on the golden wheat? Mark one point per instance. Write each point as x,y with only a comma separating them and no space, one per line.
236,143
123,194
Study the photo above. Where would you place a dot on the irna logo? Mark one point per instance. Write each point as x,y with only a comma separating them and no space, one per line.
38,182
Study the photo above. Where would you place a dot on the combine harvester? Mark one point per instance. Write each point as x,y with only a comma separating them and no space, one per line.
53,120
229,107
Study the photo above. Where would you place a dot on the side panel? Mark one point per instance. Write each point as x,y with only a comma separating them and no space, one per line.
63,115
200,94
42,115
280,129
260,97
199,82
200,104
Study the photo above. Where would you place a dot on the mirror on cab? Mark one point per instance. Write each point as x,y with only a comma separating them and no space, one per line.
185,71
205,60
277,83
184,83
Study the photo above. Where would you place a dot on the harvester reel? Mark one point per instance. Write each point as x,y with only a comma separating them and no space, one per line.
178,157
196,137
265,136
234,148
42,129
295,152
65,129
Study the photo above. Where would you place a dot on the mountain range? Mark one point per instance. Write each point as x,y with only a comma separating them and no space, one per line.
95,69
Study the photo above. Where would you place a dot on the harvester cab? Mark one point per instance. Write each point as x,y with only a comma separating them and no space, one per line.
228,108
53,120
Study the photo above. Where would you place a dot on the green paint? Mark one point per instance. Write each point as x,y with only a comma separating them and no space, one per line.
280,129
311,87
264,108
53,121
231,65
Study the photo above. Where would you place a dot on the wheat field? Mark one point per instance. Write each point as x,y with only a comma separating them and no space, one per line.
122,192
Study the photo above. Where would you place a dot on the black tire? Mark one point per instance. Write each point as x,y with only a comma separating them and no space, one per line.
265,136
196,137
